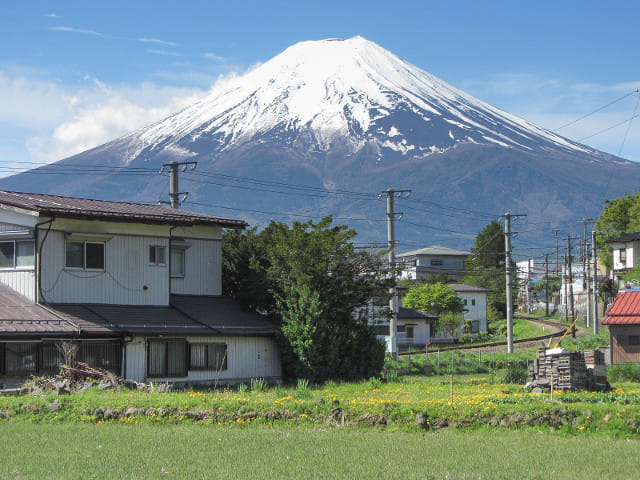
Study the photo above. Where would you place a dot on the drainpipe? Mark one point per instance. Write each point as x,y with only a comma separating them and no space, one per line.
38,263
169,263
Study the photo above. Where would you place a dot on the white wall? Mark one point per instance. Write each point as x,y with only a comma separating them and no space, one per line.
203,269
248,357
128,278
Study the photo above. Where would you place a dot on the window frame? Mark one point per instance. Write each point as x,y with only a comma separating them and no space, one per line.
209,366
623,255
165,372
14,264
633,340
181,253
155,262
84,255
436,262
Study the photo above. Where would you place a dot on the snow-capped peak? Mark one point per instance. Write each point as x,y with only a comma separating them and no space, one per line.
349,89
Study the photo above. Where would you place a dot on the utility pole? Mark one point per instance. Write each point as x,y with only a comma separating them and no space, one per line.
585,265
529,289
573,312
174,190
595,281
391,242
555,230
508,272
546,281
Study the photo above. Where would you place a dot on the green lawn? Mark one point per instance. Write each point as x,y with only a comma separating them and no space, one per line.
109,451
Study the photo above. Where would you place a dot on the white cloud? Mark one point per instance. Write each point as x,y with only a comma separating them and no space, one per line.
554,102
213,56
158,41
54,121
164,52
76,30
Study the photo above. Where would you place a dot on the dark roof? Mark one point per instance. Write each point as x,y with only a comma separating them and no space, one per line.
464,287
19,315
625,309
71,207
187,315
223,314
629,237
407,313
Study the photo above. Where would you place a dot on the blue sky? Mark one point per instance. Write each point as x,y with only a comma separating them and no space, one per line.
76,74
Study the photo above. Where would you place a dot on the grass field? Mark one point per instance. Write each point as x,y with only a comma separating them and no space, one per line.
110,451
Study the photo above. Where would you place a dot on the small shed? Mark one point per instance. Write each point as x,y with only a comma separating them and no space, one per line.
623,319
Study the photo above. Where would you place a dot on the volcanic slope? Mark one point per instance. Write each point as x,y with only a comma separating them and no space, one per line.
325,126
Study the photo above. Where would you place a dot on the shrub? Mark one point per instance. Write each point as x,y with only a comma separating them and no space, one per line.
515,374
624,372
465,338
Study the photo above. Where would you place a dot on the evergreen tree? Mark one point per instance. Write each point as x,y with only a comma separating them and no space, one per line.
315,285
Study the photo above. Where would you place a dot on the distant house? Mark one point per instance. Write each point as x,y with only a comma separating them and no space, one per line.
626,253
419,264
623,319
136,288
475,305
413,330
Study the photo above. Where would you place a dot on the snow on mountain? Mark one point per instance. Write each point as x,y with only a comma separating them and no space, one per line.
345,90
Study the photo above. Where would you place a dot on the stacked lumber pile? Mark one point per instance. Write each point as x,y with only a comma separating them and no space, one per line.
595,361
565,370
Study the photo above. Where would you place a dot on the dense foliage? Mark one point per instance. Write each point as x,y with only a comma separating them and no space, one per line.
313,282
619,217
485,268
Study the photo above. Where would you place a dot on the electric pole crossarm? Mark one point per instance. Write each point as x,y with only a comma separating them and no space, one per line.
174,190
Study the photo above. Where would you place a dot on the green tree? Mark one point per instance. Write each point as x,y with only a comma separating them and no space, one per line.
485,268
450,322
619,217
433,298
555,283
632,277
313,282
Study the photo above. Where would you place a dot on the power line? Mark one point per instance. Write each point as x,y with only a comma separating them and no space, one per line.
596,110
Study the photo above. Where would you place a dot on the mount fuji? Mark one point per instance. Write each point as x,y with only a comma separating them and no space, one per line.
325,126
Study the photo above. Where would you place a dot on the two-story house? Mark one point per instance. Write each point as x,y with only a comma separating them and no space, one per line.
420,264
626,254
137,288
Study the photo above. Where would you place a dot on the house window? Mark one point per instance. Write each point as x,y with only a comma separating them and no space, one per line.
85,255
167,358
475,326
409,331
473,301
465,302
623,255
208,356
177,263
21,359
633,340
157,255
16,253
436,262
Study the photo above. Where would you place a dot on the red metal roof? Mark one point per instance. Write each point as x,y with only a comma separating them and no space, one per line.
71,207
625,309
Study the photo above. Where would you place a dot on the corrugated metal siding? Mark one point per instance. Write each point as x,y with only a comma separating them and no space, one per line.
621,352
126,273
22,281
248,357
203,269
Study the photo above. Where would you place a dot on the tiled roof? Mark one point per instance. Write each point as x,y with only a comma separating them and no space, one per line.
463,287
407,313
435,250
223,314
629,237
625,309
19,315
71,207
